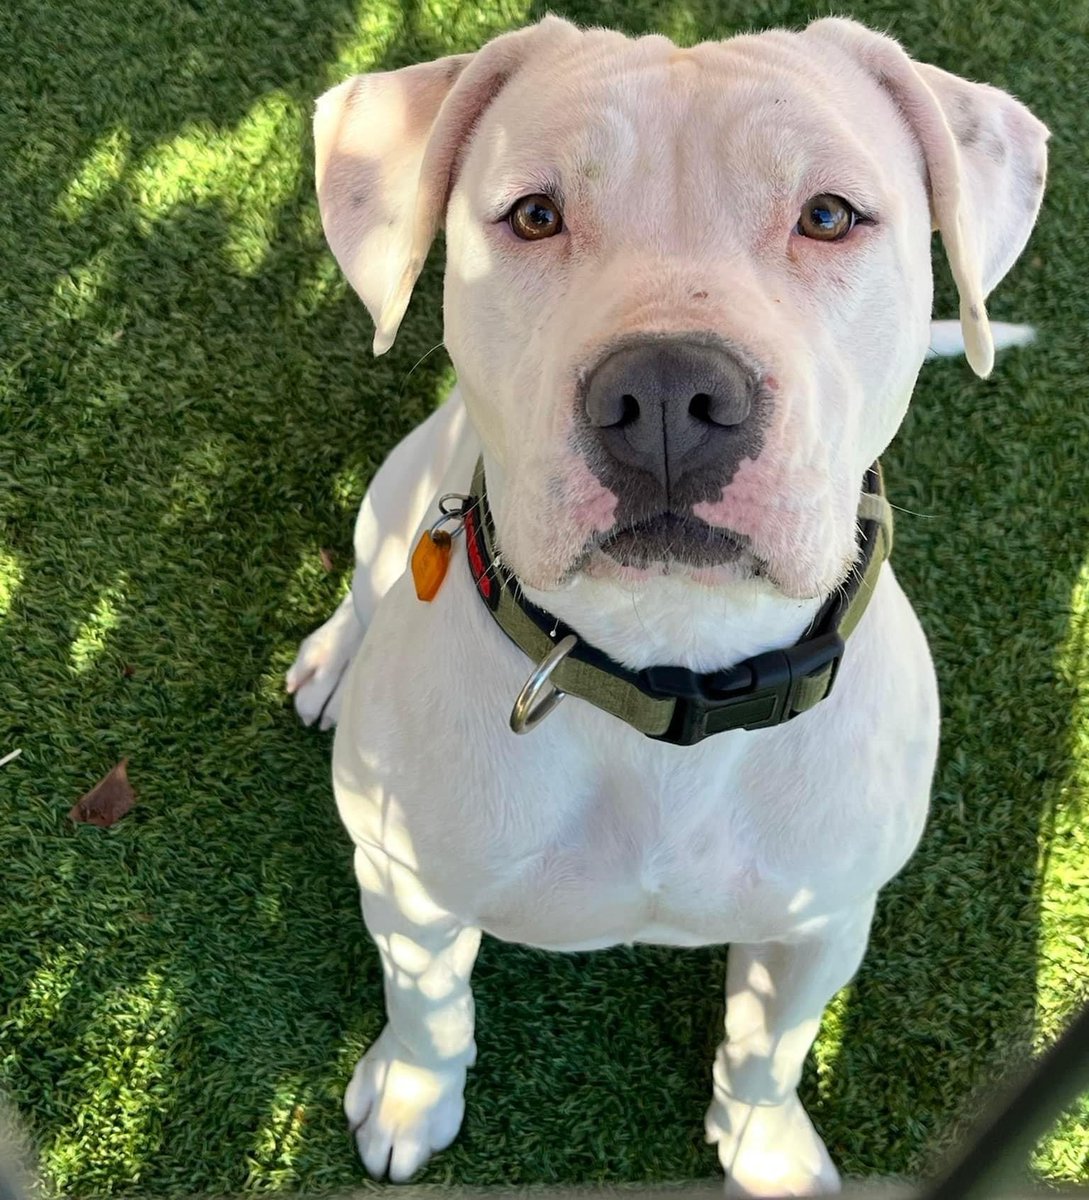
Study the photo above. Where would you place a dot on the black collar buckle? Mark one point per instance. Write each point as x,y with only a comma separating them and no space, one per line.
760,692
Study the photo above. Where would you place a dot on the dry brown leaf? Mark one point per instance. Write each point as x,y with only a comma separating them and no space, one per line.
108,801
326,557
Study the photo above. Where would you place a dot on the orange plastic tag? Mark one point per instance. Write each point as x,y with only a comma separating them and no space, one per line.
430,561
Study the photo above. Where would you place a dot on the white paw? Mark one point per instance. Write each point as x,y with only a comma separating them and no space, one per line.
401,1113
769,1150
316,677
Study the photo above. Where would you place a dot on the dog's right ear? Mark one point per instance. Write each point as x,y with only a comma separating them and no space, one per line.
386,146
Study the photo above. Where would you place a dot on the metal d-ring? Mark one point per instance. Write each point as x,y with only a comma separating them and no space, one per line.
523,716
453,506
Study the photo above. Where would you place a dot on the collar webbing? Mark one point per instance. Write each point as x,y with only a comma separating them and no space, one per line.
674,704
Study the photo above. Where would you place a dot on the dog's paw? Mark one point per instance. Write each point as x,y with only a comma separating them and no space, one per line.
316,677
401,1113
770,1150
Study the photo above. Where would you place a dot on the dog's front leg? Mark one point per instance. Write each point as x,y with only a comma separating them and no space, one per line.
405,1100
775,995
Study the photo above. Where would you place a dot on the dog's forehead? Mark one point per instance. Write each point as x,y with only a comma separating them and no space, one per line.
766,105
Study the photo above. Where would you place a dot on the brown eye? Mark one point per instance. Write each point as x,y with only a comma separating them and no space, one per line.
826,218
535,217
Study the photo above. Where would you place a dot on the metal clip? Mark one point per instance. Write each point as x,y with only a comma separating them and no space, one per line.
524,716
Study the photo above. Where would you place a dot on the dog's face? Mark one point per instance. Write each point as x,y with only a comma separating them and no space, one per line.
681,368
687,291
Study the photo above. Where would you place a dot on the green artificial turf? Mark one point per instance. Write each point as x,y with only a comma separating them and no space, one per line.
190,412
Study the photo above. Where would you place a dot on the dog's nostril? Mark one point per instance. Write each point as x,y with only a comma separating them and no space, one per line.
629,409
724,410
699,409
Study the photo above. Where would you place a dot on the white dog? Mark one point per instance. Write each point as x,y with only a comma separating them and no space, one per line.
687,296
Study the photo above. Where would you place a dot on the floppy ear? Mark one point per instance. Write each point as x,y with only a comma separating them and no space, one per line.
986,161
386,147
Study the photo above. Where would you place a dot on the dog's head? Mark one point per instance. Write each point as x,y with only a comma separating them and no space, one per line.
687,291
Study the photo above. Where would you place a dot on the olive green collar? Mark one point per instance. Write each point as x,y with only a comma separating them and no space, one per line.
674,704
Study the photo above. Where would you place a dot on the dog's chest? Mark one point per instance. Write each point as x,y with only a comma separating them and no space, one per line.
637,859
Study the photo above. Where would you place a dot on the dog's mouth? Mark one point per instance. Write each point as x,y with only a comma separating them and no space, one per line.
668,538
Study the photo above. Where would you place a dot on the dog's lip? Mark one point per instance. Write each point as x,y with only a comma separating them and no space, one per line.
672,537
668,522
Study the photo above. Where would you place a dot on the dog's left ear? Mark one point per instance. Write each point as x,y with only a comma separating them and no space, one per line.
986,162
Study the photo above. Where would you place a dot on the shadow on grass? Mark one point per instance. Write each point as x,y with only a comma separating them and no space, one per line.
196,412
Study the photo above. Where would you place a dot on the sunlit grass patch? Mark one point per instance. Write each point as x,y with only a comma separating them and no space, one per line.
93,634
1063,973
101,171
118,1081
11,575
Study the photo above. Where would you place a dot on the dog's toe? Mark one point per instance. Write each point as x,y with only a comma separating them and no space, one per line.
330,713
375,1145
318,700
313,697
408,1154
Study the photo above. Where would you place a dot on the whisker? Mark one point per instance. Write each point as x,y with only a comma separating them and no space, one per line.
912,513
638,617
404,382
